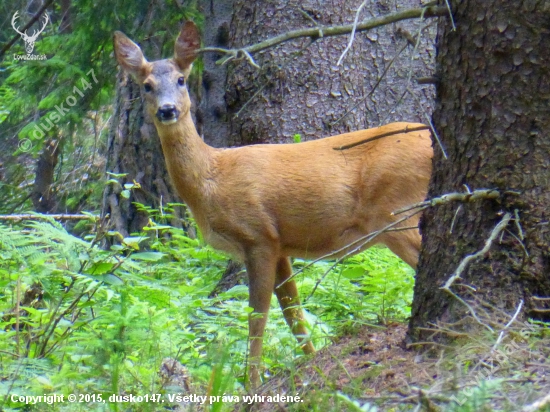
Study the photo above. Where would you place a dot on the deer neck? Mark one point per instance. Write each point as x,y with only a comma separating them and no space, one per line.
188,159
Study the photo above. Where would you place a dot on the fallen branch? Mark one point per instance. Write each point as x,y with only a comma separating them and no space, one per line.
538,405
320,32
32,216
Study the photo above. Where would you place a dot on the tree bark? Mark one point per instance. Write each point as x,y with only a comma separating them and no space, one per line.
300,89
212,117
492,117
43,195
134,149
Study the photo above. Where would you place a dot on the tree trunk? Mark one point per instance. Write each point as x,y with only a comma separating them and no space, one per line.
43,195
212,116
134,149
492,117
300,89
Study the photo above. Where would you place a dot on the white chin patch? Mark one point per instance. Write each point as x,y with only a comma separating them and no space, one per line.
174,120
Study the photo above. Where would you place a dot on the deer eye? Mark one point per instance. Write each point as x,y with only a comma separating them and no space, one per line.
147,87
181,81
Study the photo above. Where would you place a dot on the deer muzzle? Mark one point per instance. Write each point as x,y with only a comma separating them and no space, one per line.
168,114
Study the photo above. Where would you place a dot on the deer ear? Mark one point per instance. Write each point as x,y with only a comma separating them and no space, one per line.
129,55
187,44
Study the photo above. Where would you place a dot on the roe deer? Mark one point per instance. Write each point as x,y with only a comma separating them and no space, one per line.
266,203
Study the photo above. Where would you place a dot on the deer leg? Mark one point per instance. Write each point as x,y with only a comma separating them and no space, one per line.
261,266
287,294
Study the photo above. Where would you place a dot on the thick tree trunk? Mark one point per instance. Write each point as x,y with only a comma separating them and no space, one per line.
133,145
134,148
301,90
493,119
212,116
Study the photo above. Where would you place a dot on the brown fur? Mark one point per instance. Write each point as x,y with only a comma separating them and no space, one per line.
265,203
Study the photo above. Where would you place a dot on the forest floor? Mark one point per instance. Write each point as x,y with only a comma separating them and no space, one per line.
376,367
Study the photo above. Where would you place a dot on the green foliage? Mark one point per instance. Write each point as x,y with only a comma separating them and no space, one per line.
370,286
68,97
102,321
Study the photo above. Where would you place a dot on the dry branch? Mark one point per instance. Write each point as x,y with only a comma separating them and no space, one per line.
31,216
319,32
466,261
453,197
357,244
538,405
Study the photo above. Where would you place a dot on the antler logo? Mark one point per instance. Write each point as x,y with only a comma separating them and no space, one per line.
29,40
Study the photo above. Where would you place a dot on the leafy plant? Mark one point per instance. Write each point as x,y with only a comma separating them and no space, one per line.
80,319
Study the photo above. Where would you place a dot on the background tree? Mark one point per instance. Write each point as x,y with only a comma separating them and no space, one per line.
134,153
298,88
492,116
63,170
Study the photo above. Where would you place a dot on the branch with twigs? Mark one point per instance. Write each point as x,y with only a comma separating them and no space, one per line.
360,243
315,33
357,245
466,261
32,216
453,197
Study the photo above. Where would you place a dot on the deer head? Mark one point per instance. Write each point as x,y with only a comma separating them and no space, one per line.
163,81
29,40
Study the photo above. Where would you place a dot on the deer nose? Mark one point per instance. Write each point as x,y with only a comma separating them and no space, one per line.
167,113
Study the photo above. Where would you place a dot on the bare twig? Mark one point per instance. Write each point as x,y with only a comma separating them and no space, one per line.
352,36
429,120
317,32
348,111
361,241
501,335
458,209
451,15
466,261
